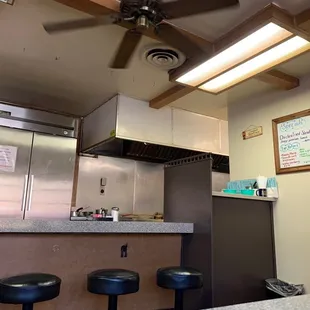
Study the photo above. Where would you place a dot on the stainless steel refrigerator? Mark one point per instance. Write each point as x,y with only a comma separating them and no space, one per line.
37,161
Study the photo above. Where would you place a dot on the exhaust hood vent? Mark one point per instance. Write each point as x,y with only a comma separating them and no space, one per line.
129,129
154,153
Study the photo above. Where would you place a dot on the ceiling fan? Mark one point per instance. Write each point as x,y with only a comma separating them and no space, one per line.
145,14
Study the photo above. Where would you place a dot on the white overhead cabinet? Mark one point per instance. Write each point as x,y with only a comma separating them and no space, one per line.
137,121
195,132
224,148
126,118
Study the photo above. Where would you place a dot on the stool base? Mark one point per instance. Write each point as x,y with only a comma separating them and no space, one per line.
112,302
178,300
28,307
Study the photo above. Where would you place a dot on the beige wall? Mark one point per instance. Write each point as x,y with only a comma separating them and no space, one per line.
252,157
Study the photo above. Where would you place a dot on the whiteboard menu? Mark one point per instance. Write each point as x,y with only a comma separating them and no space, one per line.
291,136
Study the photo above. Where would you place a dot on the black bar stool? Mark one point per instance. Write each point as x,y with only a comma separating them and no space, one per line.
179,279
28,289
113,282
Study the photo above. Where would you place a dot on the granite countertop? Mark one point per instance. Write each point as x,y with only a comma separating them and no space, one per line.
238,196
291,303
92,227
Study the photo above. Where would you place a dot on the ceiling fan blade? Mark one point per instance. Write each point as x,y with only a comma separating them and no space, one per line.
176,39
56,27
126,49
182,8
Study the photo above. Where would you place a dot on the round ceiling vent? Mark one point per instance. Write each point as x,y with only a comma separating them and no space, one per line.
163,57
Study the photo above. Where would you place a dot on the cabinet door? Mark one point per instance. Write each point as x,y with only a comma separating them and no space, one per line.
195,132
51,177
137,121
15,149
224,138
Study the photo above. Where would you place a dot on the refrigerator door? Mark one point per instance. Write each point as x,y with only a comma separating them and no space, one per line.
51,177
15,150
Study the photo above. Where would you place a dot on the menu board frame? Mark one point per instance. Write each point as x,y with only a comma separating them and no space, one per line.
275,123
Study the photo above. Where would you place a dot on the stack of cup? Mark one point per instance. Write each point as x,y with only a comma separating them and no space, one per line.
262,186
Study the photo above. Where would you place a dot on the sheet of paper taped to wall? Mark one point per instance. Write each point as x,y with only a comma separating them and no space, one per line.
7,158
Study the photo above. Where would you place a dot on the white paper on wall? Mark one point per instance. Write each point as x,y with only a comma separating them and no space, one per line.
7,158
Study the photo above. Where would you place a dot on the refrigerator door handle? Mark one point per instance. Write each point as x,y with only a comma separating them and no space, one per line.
30,192
24,193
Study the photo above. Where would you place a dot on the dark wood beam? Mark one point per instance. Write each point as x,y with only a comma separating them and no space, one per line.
274,77
279,79
171,95
303,20
270,13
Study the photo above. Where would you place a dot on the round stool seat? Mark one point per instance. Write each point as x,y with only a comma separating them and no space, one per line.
29,288
179,278
113,282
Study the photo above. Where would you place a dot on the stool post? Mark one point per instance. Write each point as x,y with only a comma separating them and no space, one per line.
178,300
28,307
112,302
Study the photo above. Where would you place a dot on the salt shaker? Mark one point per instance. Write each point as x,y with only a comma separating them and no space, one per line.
115,213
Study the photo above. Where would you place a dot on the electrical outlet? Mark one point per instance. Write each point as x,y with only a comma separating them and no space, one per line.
103,183
102,190
124,249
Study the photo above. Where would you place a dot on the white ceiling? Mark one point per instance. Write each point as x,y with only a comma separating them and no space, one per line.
69,72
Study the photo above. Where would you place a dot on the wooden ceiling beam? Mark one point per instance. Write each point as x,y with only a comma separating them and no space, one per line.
274,77
271,13
303,20
176,92
279,79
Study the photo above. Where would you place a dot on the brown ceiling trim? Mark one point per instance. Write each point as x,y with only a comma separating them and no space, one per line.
246,59
271,13
171,95
274,77
279,79
303,20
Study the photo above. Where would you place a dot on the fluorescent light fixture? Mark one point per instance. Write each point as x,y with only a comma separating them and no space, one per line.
8,1
257,42
282,52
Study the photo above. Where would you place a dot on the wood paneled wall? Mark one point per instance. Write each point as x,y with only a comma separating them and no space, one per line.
72,257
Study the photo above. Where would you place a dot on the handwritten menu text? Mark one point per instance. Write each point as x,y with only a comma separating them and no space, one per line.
294,142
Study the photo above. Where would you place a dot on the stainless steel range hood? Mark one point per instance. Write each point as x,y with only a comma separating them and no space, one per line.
128,128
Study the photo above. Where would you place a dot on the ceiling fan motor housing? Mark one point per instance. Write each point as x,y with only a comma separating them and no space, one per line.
142,12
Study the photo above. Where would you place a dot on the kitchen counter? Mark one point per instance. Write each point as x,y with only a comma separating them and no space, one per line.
72,250
67,226
292,303
239,196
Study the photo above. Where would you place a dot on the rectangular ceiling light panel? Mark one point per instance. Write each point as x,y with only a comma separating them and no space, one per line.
8,1
257,42
273,57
